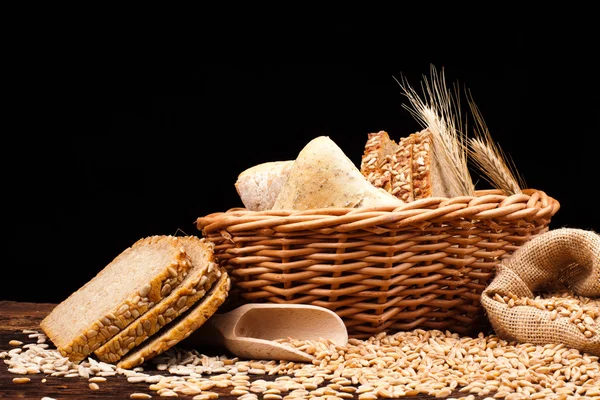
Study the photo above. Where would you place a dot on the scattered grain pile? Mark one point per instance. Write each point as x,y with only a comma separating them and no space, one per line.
407,363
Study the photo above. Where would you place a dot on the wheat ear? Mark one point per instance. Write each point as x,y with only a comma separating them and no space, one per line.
493,164
439,111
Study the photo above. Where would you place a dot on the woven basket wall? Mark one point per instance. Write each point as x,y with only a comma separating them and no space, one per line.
421,265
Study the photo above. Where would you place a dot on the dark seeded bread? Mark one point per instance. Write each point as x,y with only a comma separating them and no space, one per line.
402,170
126,288
411,172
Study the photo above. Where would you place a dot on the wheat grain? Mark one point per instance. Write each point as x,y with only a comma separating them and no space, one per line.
403,364
140,396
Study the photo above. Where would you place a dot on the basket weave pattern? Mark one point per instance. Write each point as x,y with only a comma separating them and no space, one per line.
421,265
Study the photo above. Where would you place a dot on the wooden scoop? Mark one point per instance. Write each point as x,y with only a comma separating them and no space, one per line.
250,330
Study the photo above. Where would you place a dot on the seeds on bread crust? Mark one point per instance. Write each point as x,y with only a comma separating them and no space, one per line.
401,170
198,282
183,326
421,164
76,336
376,160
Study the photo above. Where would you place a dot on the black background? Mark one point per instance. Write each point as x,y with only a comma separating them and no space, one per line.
106,154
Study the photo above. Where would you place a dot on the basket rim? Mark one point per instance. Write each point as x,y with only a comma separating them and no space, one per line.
487,204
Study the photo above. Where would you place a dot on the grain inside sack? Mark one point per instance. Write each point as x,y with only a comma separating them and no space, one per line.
549,291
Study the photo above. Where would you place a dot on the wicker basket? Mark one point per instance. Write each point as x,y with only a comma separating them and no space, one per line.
421,265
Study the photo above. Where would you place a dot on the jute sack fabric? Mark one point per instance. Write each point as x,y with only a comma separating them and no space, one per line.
560,259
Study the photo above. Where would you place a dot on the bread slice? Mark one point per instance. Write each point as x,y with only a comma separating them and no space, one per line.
202,275
322,176
422,164
126,288
402,170
377,159
258,186
181,327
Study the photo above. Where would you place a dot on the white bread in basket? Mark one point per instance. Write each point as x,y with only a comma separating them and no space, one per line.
323,176
258,186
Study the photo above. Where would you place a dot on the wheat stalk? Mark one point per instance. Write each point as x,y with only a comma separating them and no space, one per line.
439,111
488,157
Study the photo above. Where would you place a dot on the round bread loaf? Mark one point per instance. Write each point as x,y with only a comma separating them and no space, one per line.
258,186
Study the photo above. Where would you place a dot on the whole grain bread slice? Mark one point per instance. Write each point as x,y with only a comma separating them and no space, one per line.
180,328
126,288
377,159
402,170
412,172
422,173
202,275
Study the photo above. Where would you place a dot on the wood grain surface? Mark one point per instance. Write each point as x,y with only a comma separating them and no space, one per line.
18,316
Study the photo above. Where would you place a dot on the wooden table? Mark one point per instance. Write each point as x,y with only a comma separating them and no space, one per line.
17,316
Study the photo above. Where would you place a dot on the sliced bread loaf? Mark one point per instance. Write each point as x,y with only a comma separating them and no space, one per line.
411,172
202,275
422,159
126,288
180,328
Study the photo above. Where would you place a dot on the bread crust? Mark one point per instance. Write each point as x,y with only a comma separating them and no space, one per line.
377,159
401,170
421,164
182,327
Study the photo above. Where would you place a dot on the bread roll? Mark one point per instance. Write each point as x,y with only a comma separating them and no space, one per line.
430,179
323,176
258,186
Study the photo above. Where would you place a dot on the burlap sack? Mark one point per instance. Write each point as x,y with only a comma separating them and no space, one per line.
560,259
